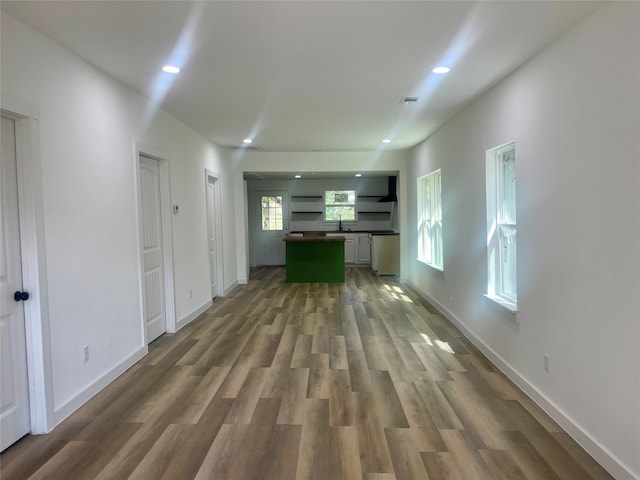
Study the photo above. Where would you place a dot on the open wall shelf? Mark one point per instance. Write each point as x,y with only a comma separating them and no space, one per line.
310,209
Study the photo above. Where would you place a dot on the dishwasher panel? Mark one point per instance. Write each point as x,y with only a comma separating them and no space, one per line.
385,254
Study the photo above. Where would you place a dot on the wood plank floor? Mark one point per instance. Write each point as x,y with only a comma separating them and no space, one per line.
361,380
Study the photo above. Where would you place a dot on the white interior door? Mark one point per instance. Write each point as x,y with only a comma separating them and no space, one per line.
14,389
212,234
270,227
152,253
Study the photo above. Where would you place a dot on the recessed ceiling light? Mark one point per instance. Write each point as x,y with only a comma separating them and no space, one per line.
441,70
298,176
247,141
170,69
358,174
386,140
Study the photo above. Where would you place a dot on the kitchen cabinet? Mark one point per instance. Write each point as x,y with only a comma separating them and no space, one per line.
363,248
349,245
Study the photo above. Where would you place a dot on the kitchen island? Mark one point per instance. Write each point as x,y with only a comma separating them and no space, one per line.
314,259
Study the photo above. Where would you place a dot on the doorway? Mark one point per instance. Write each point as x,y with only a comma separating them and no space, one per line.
270,226
15,417
155,243
214,229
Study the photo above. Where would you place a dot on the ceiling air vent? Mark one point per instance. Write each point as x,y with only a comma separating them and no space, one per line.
408,99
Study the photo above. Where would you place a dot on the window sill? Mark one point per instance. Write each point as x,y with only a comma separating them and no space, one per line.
506,304
431,265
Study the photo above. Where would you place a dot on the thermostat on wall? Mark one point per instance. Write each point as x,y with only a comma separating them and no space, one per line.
176,209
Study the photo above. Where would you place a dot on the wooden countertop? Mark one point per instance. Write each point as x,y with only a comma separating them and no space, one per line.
314,238
373,232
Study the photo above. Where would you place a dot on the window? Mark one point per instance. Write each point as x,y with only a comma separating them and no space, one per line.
271,212
339,205
430,219
501,225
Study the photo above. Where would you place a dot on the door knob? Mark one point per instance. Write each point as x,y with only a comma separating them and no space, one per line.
21,296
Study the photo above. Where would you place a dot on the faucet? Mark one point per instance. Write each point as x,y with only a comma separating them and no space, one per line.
339,223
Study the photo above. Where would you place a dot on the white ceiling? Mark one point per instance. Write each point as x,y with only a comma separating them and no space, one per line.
302,76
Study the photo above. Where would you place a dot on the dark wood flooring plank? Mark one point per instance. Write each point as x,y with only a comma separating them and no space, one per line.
407,463
467,456
293,397
544,442
60,465
419,417
437,405
283,457
374,450
441,466
344,459
97,455
26,456
338,353
319,377
245,402
302,352
202,395
582,458
315,442
341,406
502,465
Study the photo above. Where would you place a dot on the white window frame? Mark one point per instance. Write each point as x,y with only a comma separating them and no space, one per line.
430,237
352,205
499,227
275,221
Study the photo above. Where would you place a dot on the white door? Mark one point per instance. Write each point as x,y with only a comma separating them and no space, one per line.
212,234
152,254
14,389
270,227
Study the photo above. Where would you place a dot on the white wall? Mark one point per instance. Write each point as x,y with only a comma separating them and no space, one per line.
574,113
89,125
251,161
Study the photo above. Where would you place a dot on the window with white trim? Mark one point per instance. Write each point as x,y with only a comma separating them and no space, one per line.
430,219
271,212
501,225
340,205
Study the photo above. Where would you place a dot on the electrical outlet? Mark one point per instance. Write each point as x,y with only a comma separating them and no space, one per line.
546,363
190,294
451,298
85,352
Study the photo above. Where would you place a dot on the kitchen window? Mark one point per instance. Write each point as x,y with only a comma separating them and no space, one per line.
430,220
340,205
501,225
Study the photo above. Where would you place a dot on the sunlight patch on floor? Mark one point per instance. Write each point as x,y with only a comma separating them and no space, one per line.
444,346
427,340
397,293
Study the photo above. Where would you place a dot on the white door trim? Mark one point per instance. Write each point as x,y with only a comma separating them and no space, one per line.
165,214
34,274
214,178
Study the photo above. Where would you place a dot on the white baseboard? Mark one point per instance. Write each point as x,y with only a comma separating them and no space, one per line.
605,458
71,405
190,317
231,287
